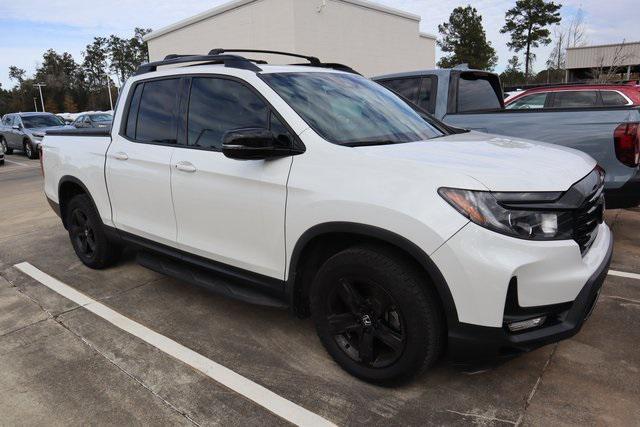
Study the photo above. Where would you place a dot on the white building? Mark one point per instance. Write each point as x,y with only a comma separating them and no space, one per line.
371,38
584,62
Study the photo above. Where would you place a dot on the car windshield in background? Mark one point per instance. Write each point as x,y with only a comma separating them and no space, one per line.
347,109
43,121
101,118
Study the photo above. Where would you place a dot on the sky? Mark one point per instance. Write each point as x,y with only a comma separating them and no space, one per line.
30,27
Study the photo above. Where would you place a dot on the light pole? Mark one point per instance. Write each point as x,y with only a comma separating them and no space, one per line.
40,85
35,105
109,89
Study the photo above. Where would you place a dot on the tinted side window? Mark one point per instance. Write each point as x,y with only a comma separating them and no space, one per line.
476,93
536,100
409,88
157,118
612,98
217,106
575,99
427,96
132,117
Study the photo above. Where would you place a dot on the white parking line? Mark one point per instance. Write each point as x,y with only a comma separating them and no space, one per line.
249,389
18,163
624,274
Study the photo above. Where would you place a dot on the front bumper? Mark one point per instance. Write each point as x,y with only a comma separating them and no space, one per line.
468,342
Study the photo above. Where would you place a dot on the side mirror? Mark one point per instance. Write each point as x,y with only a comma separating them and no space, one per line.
256,144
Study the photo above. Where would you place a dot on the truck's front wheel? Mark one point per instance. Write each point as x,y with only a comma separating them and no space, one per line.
87,234
376,315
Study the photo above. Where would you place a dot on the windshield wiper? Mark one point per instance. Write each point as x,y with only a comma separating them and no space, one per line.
370,142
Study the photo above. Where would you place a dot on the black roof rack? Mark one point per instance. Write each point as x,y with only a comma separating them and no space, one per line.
231,61
221,56
313,60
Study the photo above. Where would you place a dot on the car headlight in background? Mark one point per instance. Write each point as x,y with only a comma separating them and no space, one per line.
484,208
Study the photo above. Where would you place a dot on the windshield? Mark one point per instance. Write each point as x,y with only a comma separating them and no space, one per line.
101,117
347,109
43,121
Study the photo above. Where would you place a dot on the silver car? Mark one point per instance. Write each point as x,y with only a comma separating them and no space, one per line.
24,131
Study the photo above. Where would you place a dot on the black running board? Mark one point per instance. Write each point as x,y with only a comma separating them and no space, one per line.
208,280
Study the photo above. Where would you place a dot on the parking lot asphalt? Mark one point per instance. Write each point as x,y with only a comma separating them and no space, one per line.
62,364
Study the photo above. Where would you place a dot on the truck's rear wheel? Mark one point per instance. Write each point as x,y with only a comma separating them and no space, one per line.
5,146
87,234
376,316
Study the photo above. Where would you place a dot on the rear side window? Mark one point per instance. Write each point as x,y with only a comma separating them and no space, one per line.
476,93
427,96
533,101
409,88
217,106
575,99
155,118
613,98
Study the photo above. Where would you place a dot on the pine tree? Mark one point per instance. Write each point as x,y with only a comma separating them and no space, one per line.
527,23
464,37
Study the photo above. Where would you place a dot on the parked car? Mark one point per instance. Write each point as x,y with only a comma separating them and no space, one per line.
93,120
575,96
472,99
320,190
24,131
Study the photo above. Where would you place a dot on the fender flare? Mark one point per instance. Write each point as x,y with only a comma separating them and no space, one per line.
389,237
72,179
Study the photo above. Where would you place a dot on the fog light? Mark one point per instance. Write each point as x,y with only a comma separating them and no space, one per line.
526,324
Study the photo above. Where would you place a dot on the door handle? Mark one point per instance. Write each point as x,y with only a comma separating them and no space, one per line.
120,156
185,167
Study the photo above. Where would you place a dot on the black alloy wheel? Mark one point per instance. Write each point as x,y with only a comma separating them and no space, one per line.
87,234
82,233
377,314
365,322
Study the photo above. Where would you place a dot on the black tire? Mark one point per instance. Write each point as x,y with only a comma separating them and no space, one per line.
87,235
5,146
29,151
376,315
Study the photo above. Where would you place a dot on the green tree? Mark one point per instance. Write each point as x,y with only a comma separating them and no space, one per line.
527,23
464,38
126,55
95,64
513,75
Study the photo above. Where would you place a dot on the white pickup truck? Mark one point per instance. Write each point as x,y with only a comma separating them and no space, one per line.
311,187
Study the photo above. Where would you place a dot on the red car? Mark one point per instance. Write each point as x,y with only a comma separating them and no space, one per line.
577,96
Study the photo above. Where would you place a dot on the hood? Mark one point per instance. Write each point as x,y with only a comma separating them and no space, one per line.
499,163
44,129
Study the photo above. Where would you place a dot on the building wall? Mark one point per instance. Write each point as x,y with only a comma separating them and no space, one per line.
263,24
597,56
371,41
352,32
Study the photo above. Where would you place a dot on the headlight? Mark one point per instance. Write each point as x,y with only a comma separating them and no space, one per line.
485,209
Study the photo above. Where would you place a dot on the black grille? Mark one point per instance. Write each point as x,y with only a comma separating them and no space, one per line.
587,218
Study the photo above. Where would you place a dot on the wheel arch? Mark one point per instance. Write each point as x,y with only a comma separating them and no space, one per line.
323,240
69,187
